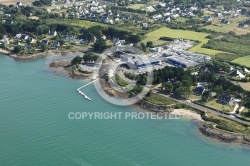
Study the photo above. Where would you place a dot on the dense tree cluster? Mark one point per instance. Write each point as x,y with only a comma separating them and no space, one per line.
174,80
42,2
87,58
231,43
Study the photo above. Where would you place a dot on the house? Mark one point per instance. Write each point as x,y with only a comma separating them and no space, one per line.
156,49
104,37
19,4
199,90
194,73
55,45
157,17
245,70
227,99
168,19
45,42
144,25
68,37
118,42
208,19
224,21
219,15
7,15
84,41
18,36
243,25
53,33
24,37
31,40
16,43
237,74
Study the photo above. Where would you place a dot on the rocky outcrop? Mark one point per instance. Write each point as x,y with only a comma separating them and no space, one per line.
227,137
71,69
29,58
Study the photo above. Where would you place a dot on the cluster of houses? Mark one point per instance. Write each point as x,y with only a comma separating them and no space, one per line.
224,98
92,10
224,15
173,12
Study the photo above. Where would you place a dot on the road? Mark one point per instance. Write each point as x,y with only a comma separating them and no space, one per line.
199,107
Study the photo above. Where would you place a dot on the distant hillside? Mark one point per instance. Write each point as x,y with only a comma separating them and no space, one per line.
9,2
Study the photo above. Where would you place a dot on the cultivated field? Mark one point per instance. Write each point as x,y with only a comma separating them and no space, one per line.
184,34
137,6
10,2
244,61
244,85
77,23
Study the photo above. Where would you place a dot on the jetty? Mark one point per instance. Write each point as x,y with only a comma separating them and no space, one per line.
83,94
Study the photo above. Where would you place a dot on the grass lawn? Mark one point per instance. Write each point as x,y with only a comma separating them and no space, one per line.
120,81
194,97
77,23
215,105
159,99
233,26
229,125
184,34
137,6
244,61
244,85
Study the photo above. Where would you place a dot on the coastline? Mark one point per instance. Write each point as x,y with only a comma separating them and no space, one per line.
204,128
40,55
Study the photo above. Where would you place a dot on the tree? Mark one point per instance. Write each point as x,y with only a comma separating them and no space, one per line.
42,29
100,45
43,48
168,87
143,46
149,44
134,39
76,60
182,92
17,49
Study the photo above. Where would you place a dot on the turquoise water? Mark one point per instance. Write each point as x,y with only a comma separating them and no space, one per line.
35,129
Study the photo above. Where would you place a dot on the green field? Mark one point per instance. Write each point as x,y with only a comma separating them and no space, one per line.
184,34
77,23
215,105
158,99
244,61
137,6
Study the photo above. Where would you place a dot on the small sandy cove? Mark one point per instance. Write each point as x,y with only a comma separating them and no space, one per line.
187,113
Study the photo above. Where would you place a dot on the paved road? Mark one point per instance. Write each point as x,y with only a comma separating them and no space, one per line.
189,103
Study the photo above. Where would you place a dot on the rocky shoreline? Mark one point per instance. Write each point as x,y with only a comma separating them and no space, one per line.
71,69
203,126
223,136
40,54
29,58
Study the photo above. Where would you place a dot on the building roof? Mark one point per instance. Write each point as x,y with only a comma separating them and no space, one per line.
236,73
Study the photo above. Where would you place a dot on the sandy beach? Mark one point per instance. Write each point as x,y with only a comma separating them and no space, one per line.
187,114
